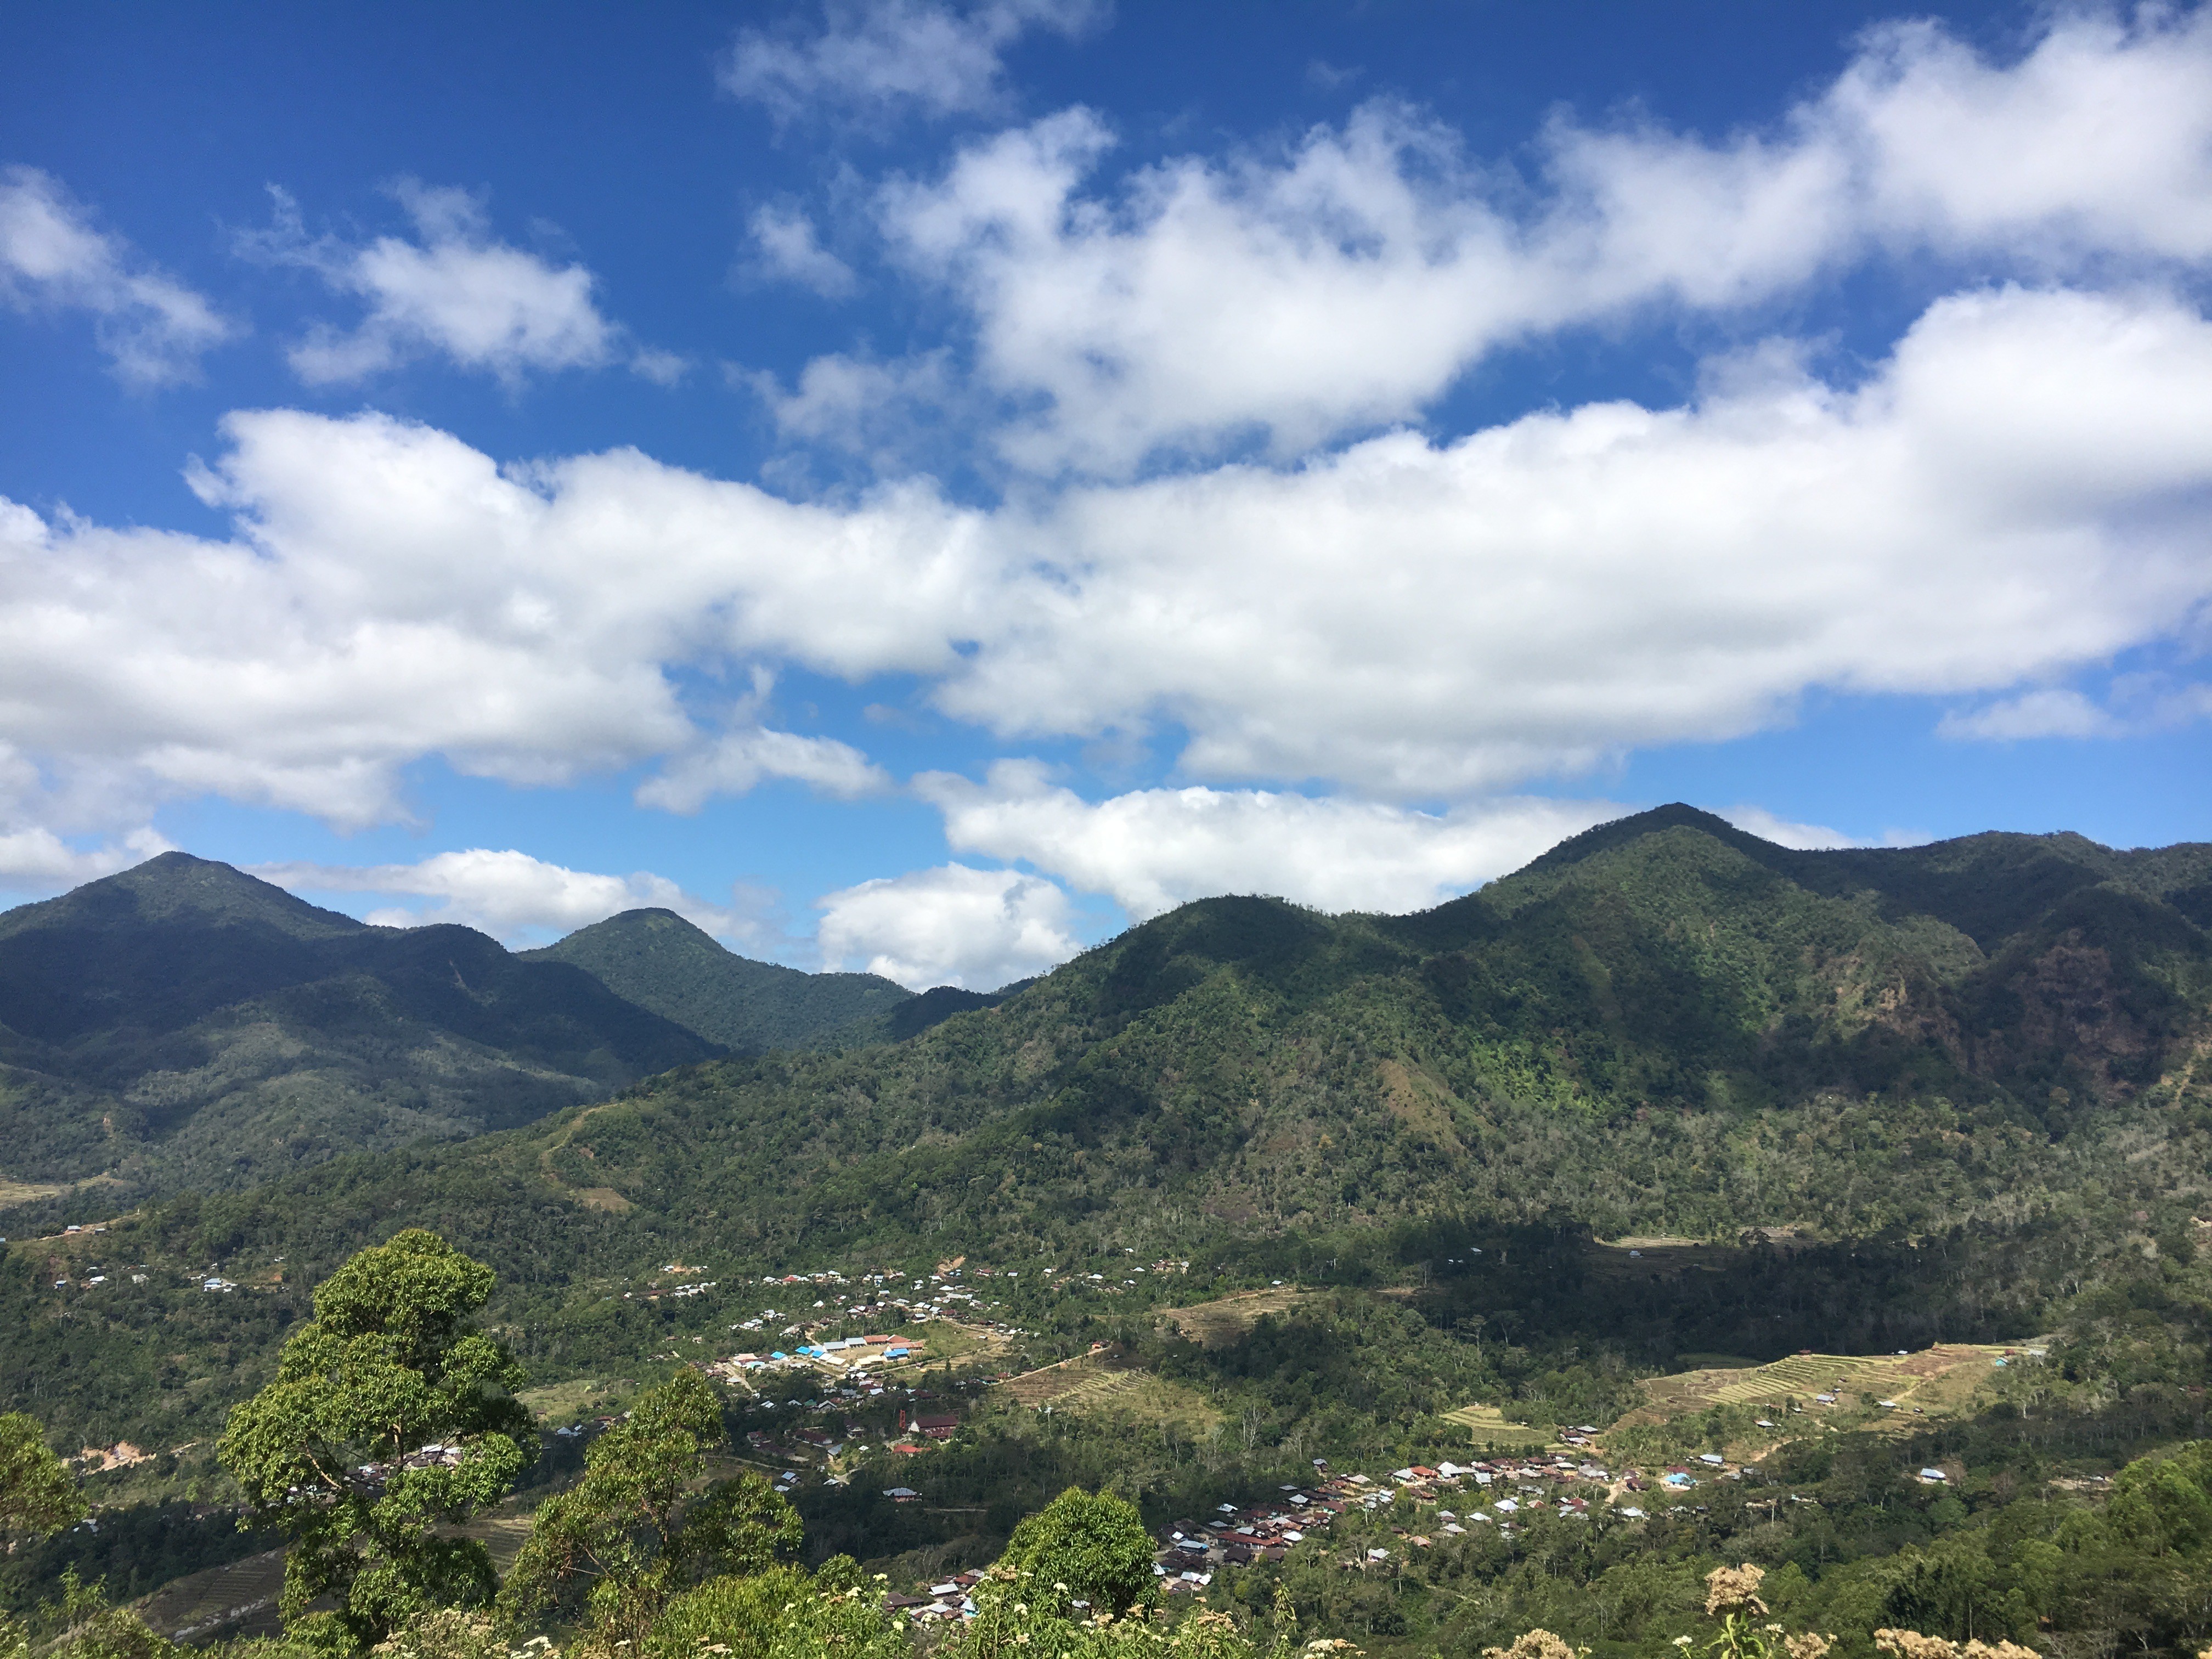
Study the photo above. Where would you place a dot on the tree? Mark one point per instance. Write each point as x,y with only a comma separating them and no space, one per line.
630,1537
1096,1546
37,1496
390,1417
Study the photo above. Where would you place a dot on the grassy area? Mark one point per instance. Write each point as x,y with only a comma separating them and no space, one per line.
1894,1394
1218,1323
1107,1389
1486,1426
558,1404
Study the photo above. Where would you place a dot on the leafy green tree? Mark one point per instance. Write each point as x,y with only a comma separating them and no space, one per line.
782,1613
37,1496
1094,1544
631,1535
335,1451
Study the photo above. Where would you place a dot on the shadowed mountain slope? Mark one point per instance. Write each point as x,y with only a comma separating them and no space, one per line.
183,1023
657,960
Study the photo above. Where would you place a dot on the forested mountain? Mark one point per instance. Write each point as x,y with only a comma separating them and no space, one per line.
657,960
183,1025
1664,1026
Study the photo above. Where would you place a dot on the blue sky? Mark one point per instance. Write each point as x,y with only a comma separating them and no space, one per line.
918,486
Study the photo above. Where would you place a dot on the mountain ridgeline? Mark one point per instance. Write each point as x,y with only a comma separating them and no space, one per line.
1664,1024
183,1025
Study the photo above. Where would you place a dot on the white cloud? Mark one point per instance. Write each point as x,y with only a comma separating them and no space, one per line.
885,412
2044,714
1153,849
485,303
1349,282
2013,489
1787,832
790,252
152,327
390,594
2013,497
2136,703
978,929
516,898
881,59
36,860
739,760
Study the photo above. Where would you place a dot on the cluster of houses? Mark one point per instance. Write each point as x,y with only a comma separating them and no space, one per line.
1492,1492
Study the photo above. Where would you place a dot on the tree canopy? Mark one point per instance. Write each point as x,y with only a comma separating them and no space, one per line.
389,1417
633,1533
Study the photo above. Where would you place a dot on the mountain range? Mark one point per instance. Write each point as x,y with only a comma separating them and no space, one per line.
2001,1046
184,1025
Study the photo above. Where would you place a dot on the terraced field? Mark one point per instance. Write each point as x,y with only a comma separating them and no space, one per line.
1103,1385
1935,1381
1486,1426
1222,1322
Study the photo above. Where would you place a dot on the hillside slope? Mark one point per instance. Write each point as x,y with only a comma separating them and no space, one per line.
1630,1031
183,1024
657,960
1653,1030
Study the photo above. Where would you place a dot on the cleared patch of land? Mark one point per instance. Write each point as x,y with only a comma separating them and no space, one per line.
1105,1386
563,1403
238,1599
1486,1426
1935,1381
25,1192
1221,1323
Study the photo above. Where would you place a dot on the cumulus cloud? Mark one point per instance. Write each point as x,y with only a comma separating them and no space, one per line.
886,413
1152,849
1788,832
978,929
1297,296
516,898
2013,496
887,59
1419,619
790,252
53,258
37,861
740,760
456,289
390,593
2136,703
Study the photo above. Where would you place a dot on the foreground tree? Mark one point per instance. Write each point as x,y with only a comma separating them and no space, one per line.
390,1417
631,1535
37,1496
1084,1548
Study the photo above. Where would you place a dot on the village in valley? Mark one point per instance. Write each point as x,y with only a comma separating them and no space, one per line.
828,1397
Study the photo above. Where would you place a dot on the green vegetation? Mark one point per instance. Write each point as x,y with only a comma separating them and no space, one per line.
1083,1553
661,961
183,1025
388,1419
1845,1103
631,1535
37,1496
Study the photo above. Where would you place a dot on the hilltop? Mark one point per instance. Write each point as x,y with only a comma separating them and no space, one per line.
1664,1027
658,961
